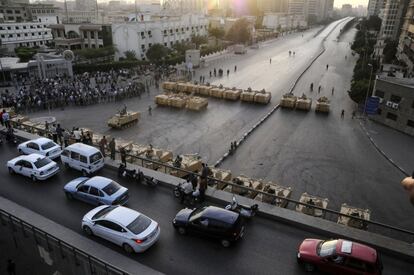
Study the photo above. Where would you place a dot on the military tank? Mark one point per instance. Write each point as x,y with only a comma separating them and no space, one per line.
322,105
124,119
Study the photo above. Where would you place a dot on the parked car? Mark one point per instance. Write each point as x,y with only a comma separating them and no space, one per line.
125,227
211,221
34,166
339,257
96,190
83,157
42,146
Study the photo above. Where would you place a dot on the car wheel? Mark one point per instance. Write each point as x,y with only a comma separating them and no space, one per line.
87,230
309,267
69,196
11,171
182,230
127,248
33,177
225,243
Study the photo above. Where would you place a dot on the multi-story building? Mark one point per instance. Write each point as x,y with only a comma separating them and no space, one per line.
11,11
405,50
346,10
396,103
26,34
273,5
80,36
392,19
86,5
284,21
375,6
140,36
313,10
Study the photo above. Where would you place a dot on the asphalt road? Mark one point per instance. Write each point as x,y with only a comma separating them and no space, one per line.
268,247
322,155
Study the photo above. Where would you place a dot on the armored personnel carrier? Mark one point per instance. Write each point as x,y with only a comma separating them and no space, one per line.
124,119
363,214
322,105
288,101
312,200
303,103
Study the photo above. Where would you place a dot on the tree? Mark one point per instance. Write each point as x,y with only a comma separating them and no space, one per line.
130,55
25,53
359,90
156,53
199,39
181,47
239,32
373,23
218,33
390,50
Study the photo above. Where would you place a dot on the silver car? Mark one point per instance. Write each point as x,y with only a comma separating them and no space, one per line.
125,227
96,190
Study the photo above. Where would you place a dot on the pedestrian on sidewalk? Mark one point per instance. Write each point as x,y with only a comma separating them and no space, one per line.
123,156
102,145
66,137
59,132
342,113
210,74
228,72
205,171
112,147
215,72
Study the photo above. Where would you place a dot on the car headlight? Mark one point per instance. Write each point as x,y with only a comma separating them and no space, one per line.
298,255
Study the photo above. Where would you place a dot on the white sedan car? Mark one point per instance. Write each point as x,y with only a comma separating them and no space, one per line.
34,166
131,230
42,146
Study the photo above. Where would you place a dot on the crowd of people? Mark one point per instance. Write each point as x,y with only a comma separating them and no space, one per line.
83,89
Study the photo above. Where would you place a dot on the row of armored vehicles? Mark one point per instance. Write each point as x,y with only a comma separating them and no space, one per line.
290,101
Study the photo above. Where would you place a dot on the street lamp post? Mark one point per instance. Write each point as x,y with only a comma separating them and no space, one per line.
369,85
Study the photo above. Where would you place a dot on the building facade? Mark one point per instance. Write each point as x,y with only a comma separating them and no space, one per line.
393,15
80,36
11,11
375,6
396,103
313,10
405,50
140,36
26,34
284,21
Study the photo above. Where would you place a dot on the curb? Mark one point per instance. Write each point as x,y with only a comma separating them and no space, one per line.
381,151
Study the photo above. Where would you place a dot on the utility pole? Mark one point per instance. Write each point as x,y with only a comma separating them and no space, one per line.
369,84
136,11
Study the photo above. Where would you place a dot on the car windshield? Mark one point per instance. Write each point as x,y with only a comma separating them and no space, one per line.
95,157
111,188
103,212
47,145
39,163
197,213
82,182
327,248
139,224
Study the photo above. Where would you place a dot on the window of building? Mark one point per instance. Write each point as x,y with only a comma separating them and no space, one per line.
18,35
188,28
143,46
33,34
24,27
9,28
142,34
176,30
11,18
17,12
410,123
92,35
10,35
149,45
38,26
171,31
39,33
165,44
25,34
2,36
171,43
93,45
9,11
392,116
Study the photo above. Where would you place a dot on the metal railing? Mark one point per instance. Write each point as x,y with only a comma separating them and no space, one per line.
69,256
328,214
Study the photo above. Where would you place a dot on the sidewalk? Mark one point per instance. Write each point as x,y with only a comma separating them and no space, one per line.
396,146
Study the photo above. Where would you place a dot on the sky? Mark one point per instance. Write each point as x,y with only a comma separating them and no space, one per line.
337,3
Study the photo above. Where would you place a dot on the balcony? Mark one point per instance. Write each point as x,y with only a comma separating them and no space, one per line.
67,41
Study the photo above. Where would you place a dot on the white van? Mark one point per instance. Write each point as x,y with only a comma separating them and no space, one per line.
82,157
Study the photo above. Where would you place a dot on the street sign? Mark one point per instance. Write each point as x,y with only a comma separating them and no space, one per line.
372,105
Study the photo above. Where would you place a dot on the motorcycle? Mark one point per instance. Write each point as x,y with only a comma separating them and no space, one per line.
189,199
244,210
137,176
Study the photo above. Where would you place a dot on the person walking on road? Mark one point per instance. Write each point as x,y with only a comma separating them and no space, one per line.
59,132
150,110
210,74
342,113
327,66
270,61
319,89
333,89
112,147
66,138
235,68
228,72
215,72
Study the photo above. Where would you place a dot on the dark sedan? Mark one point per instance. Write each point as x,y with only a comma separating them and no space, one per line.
210,221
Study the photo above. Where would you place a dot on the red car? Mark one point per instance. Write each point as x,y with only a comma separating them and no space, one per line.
339,257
